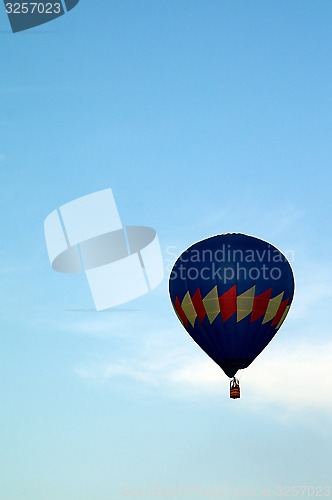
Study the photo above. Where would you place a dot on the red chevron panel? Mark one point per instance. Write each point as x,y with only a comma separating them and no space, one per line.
280,312
197,301
227,302
180,312
260,305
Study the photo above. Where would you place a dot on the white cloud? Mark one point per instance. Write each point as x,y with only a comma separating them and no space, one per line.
295,375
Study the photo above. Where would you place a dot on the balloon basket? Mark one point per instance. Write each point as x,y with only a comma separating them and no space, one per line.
234,389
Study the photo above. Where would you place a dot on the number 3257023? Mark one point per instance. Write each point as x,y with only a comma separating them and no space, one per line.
33,8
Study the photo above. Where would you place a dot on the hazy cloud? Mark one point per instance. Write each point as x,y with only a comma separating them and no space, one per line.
294,375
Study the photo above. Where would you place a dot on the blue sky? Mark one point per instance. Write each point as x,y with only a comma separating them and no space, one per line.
203,117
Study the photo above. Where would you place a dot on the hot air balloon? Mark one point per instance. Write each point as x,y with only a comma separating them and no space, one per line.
232,292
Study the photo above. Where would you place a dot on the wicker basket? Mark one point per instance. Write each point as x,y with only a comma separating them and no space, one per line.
234,389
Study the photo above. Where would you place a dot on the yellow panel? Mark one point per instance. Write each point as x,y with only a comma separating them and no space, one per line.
211,304
272,308
188,309
283,317
244,303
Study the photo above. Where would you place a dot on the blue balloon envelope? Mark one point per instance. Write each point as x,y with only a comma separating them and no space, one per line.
232,293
